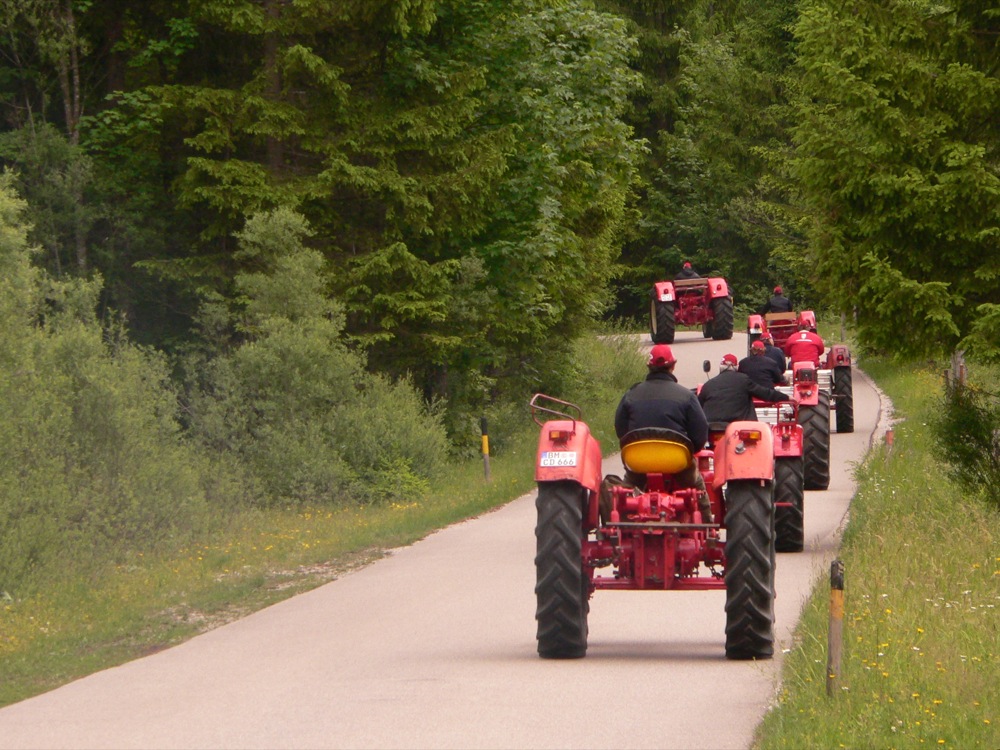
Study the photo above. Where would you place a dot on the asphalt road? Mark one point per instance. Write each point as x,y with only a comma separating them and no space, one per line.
434,647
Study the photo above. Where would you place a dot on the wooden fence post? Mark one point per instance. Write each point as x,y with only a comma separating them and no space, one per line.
835,638
486,448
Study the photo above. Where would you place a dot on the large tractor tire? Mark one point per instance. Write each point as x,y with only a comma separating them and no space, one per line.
561,588
661,322
749,570
706,329
789,487
843,392
722,314
815,421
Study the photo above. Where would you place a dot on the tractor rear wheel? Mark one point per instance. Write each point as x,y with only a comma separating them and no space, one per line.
562,589
749,570
789,487
706,329
843,392
722,314
661,322
815,421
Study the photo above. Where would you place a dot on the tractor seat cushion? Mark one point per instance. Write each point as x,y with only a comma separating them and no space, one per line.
656,450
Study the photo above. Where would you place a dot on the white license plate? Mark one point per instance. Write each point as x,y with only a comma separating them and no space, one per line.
558,458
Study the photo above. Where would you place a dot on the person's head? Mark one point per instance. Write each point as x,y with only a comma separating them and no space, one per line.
661,358
687,265
757,347
777,290
729,362
767,339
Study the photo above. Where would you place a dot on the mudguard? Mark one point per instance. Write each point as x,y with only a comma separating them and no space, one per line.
839,356
663,291
755,327
808,318
567,451
746,452
717,287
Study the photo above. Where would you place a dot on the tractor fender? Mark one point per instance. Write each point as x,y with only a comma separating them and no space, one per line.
663,291
746,452
787,440
808,318
567,451
839,356
717,287
756,327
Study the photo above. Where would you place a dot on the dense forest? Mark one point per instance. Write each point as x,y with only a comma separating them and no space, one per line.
281,246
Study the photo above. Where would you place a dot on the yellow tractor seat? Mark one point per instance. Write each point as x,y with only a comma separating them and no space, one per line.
655,450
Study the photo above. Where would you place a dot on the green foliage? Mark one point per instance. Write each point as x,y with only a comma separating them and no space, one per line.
92,458
287,397
896,163
56,178
967,426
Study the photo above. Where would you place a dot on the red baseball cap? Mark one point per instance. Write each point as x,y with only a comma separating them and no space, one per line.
757,345
660,355
777,290
730,359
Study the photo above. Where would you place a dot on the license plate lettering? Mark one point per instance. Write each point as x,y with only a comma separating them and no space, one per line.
558,458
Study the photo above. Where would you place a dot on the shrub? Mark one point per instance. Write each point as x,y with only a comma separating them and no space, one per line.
967,425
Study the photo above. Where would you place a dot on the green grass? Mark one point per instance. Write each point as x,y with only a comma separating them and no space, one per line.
921,653
85,621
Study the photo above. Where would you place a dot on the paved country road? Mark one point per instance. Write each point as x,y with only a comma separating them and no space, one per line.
434,647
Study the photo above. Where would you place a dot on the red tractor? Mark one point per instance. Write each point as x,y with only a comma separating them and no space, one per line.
652,539
817,391
691,302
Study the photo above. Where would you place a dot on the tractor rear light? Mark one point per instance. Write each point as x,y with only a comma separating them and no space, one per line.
560,436
749,435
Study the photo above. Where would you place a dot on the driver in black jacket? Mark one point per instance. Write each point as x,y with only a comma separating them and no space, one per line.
762,369
728,397
660,401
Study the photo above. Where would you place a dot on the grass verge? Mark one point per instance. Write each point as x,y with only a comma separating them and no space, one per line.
921,646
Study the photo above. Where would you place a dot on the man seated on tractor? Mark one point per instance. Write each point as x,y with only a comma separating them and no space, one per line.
660,401
728,397
805,346
762,369
773,352
686,272
779,303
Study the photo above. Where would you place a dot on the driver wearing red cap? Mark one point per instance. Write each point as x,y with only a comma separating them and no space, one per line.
779,303
762,369
660,401
728,397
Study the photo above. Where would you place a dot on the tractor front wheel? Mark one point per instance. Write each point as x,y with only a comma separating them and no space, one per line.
815,421
722,315
789,510
843,393
661,322
562,589
749,570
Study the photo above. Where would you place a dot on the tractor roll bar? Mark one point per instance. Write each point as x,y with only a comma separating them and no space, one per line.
537,408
